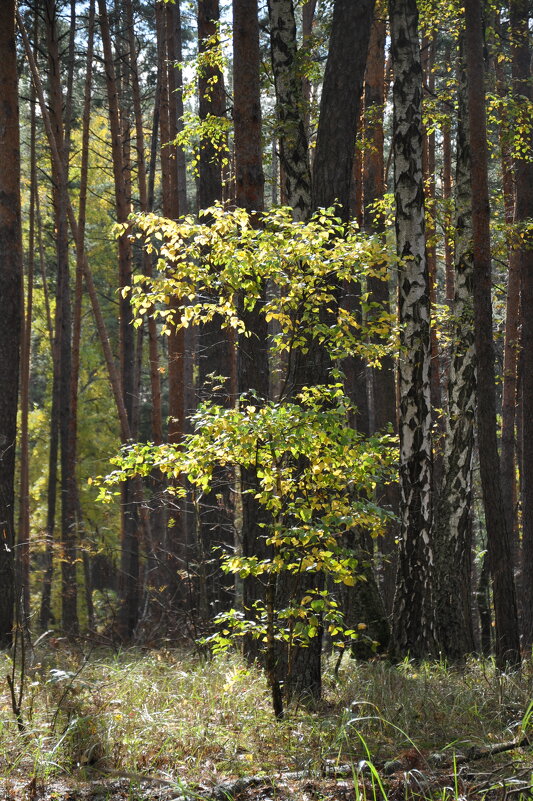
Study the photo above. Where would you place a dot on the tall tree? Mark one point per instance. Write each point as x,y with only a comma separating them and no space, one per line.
10,295
413,627
252,351
129,573
453,523
63,325
215,347
507,640
523,91
383,383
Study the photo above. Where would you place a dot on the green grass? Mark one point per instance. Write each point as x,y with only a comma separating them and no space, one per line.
172,714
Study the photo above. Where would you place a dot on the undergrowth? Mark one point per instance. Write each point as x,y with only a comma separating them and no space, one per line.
190,720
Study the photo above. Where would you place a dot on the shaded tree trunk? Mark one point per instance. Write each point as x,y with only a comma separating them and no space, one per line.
215,347
10,295
521,71
383,384
63,329
252,353
507,642
129,564
23,537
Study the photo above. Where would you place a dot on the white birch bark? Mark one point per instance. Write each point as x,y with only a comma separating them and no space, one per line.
413,627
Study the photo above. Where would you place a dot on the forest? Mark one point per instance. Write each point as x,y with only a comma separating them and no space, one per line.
266,310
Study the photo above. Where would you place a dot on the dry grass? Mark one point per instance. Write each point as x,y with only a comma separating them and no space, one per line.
189,720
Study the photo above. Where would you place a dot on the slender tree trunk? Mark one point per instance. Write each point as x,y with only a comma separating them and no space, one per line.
308,15
413,623
215,347
521,61
23,537
453,525
63,329
507,642
129,570
511,340
11,296
383,389
252,354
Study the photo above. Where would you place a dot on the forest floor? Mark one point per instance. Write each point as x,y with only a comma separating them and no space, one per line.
165,725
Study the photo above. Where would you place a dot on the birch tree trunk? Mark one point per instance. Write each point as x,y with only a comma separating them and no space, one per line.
413,624
293,152
453,527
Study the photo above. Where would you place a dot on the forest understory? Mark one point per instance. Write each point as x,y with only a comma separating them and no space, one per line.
171,725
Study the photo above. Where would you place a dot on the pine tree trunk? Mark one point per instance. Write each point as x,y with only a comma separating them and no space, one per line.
521,60
23,536
340,104
10,295
413,624
129,567
512,320
63,328
216,354
252,353
507,641
383,383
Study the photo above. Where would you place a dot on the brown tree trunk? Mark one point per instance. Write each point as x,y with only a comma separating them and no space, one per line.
507,641
214,346
129,584
11,296
252,353
23,536
63,329
383,390
521,61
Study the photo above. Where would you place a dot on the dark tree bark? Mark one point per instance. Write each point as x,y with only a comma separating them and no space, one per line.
252,353
11,296
413,623
215,347
507,641
23,536
63,329
383,383
129,568
343,83
512,327
521,61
